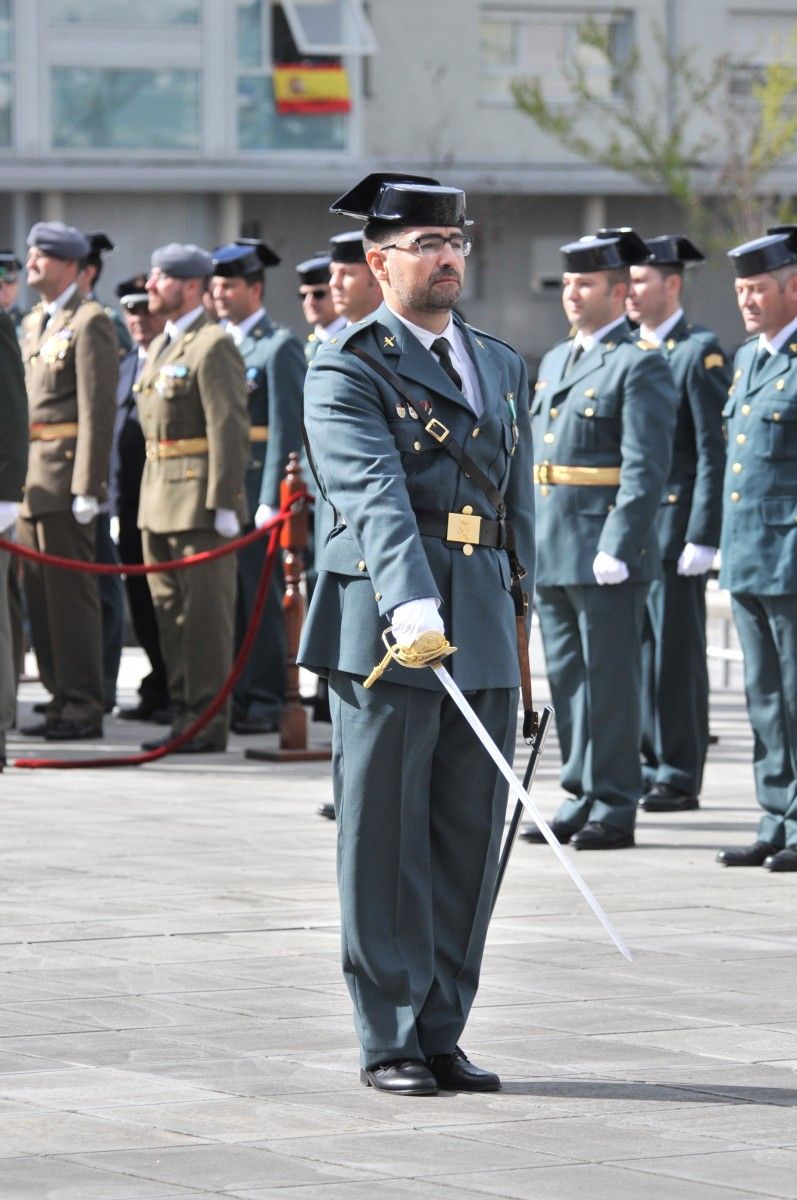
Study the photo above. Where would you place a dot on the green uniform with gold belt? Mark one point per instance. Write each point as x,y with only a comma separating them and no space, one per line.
602,434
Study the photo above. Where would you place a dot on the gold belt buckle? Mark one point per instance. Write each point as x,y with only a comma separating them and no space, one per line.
543,473
437,430
464,527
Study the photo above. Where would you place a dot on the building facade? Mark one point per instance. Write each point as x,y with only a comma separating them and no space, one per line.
200,120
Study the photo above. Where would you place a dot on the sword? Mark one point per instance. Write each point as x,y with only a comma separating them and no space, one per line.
537,747
520,794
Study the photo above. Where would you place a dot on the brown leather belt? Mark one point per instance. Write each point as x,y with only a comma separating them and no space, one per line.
51,431
464,528
258,433
546,473
176,448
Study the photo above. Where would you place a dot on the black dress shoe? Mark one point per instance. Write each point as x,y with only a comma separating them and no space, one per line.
326,810
663,797
597,836
67,730
456,1073
195,746
143,711
784,860
406,1077
746,856
562,831
245,725
43,706
37,730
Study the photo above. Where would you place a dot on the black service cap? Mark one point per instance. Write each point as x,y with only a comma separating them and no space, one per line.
347,247
673,250
777,249
403,200
133,291
607,250
244,256
314,270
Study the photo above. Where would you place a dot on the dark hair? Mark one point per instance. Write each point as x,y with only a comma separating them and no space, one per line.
376,233
667,269
618,275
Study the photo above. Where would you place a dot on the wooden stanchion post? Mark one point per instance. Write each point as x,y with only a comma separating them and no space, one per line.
293,718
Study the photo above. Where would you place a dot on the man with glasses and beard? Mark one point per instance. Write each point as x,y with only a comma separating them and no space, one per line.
417,546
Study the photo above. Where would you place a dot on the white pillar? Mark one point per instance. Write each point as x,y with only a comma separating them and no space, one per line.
53,206
594,213
231,211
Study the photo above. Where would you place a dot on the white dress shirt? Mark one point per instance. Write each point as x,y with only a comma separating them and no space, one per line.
460,357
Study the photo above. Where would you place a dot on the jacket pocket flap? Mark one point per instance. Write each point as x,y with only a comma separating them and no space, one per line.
779,510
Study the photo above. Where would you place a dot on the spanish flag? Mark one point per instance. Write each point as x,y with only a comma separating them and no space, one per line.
310,90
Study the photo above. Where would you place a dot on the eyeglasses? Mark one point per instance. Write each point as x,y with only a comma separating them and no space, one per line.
430,245
315,293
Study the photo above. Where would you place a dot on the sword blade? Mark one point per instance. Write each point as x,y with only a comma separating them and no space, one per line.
519,792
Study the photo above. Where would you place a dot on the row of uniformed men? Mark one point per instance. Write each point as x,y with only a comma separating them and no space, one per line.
632,471
177,459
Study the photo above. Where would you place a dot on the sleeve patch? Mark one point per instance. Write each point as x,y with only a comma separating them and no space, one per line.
713,360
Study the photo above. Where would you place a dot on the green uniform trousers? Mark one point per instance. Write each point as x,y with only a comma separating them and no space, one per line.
195,613
420,813
593,638
675,682
65,619
767,627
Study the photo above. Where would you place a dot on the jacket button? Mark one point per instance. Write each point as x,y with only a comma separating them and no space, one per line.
736,496
780,385
741,438
468,510
554,413
377,595
417,446
467,549
737,468
475,432
672,498
361,565
746,410
549,437
776,416
589,412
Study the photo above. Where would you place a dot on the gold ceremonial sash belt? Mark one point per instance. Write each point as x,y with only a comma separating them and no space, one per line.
258,433
51,432
176,448
582,476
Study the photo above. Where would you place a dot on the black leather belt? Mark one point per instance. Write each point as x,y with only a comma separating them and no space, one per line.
465,528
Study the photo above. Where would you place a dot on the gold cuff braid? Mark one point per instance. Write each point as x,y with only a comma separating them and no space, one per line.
427,650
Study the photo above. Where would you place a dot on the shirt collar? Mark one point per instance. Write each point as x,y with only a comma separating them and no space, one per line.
175,328
588,340
776,343
244,328
425,336
658,334
325,332
60,301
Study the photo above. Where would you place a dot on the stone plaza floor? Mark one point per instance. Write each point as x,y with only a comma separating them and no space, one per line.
173,1022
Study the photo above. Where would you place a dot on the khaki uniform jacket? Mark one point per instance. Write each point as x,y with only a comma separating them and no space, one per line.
196,388
71,372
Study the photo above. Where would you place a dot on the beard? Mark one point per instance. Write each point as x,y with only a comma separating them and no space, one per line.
426,297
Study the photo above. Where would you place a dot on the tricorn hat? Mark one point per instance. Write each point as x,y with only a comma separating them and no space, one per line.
403,200
777,249
347,247
314,270
244,256
607,250
673,250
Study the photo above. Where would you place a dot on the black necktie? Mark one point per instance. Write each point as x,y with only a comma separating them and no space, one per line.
761,360
575,354
443,351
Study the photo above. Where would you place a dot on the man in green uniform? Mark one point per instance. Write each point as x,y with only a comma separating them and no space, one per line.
603,417
424,543
675,673
316,300
71,370
275,368
192,406
759,533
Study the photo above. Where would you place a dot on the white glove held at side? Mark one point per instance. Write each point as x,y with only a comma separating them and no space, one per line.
226,523
696,559
9,512
263,514
85,509
608,569
415,617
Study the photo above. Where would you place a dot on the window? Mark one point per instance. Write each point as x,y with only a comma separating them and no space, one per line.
329,27
545,261
6,73
518,43
122,12
758,39
105,108
265,37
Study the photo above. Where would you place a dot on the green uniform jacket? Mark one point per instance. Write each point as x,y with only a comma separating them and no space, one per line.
275,370
691,508
759,524
378,465
71,372
195,389
13,414
615,408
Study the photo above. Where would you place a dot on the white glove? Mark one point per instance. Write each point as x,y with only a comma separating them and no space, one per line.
85,509
415,617
263,514
226,523
695,559
608,569
9,511
114,529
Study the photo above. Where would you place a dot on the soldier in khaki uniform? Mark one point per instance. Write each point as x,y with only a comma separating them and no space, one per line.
71,369
192,405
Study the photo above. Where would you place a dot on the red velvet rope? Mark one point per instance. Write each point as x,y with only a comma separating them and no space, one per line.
191,560
137,760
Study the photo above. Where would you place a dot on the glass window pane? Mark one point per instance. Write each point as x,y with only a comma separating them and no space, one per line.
6,53
249,33
6,96
329,26
497,43
260,127
122,12
124,109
